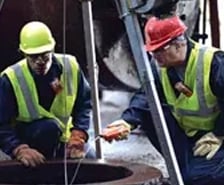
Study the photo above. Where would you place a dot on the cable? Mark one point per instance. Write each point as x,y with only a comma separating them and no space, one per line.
64,52
80,160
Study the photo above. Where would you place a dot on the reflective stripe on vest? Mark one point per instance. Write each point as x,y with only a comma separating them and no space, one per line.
32,109
205,111
200,110
26,94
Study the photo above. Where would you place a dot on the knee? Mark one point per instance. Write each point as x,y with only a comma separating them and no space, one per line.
205,177
45,128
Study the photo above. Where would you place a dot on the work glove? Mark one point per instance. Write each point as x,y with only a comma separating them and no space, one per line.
28,156
75,146
207,145
117,130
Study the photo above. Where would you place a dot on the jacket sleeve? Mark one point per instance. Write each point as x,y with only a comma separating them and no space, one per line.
138,112
217,86
8,110
82,107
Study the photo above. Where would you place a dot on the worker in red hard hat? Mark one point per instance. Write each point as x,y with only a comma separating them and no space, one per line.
156,38
160,39
45,102
190,82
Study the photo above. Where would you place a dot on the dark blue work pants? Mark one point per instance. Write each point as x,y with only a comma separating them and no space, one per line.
44,135
194,170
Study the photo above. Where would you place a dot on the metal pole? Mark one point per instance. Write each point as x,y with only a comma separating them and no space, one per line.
93,69
147,79
214,23
204,22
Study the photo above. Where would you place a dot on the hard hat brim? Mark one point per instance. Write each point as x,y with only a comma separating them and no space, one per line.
154,47
37,50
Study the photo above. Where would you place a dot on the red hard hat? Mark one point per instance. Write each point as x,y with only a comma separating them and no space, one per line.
158,32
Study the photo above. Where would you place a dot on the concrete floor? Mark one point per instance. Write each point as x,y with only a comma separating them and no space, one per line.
137,148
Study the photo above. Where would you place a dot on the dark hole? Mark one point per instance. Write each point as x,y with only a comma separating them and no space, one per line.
53,173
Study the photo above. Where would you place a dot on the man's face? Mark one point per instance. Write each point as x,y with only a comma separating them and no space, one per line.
170,55
40,63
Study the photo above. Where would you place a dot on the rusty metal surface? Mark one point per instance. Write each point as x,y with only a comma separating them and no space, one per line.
91,172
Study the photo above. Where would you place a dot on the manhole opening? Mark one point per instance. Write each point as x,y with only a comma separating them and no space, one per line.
53,173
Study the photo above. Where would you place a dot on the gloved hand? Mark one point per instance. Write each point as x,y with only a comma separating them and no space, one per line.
207,145
28,156
118,130
75,146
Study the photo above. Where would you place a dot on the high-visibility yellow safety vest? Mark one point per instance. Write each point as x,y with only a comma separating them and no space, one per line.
27,97
199,111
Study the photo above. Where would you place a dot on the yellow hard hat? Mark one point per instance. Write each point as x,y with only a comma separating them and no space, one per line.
36,37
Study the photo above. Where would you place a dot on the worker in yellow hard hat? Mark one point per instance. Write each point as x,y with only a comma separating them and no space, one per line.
45,101
190,83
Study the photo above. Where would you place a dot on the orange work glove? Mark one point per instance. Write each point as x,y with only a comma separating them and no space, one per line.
75,146
28,156
118,130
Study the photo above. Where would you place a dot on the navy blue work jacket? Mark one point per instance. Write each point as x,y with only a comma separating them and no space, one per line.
9,110
138,112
